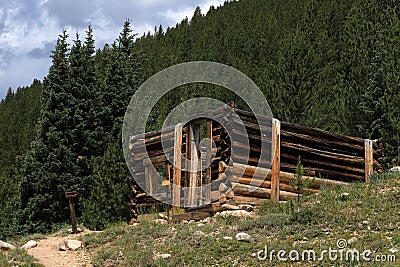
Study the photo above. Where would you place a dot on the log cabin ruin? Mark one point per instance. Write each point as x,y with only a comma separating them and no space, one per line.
223,168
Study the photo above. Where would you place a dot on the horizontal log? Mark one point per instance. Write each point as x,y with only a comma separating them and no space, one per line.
245,200
249,171
289,188
251,161
291,127
285,196
350,159
253,137
251,181
307,163
322,143
286,177
248,190
333,175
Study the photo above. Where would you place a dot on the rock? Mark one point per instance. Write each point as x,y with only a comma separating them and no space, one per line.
245,207
207,220
162,216
199,234
228,238
395,169
6,246
229,207
160,221
164,256
365,222
134,224
29,244
305,238
70,245
200,224
393,250
243,237
185,222
192,222
352,240
235,213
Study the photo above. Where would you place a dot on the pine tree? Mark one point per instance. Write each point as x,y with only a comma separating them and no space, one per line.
49,168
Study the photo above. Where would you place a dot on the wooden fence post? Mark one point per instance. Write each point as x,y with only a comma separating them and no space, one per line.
369,159
177,172
276,159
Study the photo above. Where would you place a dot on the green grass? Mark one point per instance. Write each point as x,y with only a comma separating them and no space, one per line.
369,216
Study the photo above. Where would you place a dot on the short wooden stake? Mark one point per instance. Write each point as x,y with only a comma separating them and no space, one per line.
70,196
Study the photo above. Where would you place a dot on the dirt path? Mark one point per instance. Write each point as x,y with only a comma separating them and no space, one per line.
48,254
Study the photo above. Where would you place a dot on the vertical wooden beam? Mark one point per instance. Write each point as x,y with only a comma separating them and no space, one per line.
151,178
276,159
208,161
193,171
187,164
177,171
147,174
369,159
168,177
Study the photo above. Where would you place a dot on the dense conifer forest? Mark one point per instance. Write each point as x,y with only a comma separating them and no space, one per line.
334,65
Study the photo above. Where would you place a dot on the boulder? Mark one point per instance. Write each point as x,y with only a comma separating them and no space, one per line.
6,246
29,244
71,245
235,213
243,237
163,256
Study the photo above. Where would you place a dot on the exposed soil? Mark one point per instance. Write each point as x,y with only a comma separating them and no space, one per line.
48,254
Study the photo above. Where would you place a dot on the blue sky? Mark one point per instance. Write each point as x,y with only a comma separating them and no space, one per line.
29,28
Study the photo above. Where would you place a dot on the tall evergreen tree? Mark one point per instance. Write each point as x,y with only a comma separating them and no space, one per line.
49,168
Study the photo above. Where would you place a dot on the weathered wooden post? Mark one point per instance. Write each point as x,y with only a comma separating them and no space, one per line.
276,160
369,159
70,196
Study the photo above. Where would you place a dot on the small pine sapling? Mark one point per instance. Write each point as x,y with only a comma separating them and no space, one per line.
298,184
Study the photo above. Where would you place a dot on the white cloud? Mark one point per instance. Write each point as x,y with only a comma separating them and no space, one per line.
29,29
